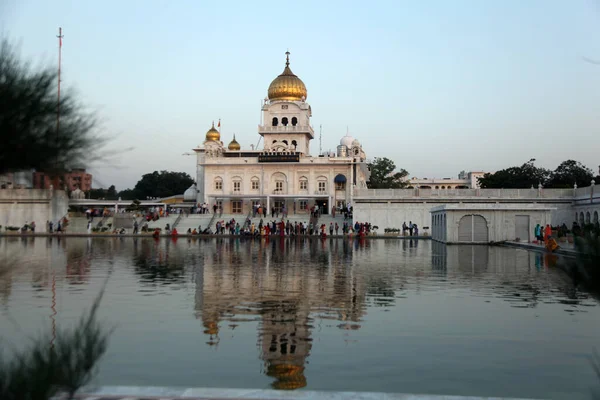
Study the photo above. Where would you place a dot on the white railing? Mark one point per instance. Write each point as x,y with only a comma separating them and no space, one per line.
483,193
286,129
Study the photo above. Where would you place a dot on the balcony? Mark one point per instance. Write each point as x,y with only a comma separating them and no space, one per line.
287,129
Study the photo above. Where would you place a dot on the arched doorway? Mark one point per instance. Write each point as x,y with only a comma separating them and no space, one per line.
472,228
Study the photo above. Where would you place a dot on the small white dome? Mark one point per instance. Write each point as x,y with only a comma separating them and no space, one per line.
190,194
347,141
355,143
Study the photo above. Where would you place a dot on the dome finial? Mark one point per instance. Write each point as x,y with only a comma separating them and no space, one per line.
287,58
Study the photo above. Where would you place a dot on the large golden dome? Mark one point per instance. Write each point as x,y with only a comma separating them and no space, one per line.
287,86
213,134
234,145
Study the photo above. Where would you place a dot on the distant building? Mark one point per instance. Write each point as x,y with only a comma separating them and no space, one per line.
16,180
465,180
75,179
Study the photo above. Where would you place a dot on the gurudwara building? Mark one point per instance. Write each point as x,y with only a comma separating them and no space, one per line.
283,174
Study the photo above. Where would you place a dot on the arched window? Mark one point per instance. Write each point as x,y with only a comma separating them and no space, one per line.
255,183
595,217
294,121
340,182
587,217
581,221
218,183
443,187
284,121
322,184
285,141
437,187
237,184
295,144
303,183
275,121
274,141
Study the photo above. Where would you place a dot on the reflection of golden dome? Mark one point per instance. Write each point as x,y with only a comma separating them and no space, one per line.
284,370
289,376
287,86
233,145
289,385
213,134
212,328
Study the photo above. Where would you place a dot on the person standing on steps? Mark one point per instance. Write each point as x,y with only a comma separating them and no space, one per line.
331,229
336,228
410,228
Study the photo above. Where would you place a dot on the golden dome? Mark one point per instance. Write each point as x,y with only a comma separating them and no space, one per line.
234,145
213,134
287,86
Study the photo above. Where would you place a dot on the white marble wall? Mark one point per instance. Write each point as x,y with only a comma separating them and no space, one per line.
393,214
21,206
501,222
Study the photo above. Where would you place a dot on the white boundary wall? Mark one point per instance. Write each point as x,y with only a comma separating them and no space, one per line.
21,206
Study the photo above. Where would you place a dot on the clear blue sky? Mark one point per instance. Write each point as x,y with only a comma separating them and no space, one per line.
437,86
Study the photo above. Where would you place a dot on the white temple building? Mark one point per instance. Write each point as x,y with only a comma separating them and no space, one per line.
283,174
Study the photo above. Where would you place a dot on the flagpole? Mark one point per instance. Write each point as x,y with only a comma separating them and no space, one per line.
60,36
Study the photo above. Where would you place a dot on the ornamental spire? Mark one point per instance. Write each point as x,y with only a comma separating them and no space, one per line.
287,58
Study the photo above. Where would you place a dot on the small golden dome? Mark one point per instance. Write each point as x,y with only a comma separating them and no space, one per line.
213,134
234,145
287,86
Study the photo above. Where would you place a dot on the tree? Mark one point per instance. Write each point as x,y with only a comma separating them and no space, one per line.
111,193
383,175
28,121
568,173
97,194
162,184
127,194
525,176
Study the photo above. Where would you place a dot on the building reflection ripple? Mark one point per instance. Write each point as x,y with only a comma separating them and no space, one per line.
287,281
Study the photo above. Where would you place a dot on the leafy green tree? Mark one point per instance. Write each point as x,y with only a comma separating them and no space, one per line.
383,175
568,173
111,193
162,184
97,194
525,176
28,120
127,194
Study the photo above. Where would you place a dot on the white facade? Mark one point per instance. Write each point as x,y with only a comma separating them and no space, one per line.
283,174
486,223
465,180
389,208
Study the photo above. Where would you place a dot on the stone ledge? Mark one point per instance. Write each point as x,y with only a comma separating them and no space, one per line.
166,393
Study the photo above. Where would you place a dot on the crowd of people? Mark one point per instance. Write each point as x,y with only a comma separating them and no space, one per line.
285,228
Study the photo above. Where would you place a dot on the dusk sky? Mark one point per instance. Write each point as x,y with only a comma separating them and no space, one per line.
437,86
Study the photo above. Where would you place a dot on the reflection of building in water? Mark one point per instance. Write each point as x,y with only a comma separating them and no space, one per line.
280,282
439,256
285,342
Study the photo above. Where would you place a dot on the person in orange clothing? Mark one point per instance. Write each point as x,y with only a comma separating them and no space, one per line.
547,232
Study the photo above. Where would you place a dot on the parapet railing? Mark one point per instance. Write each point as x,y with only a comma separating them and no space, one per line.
481,193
